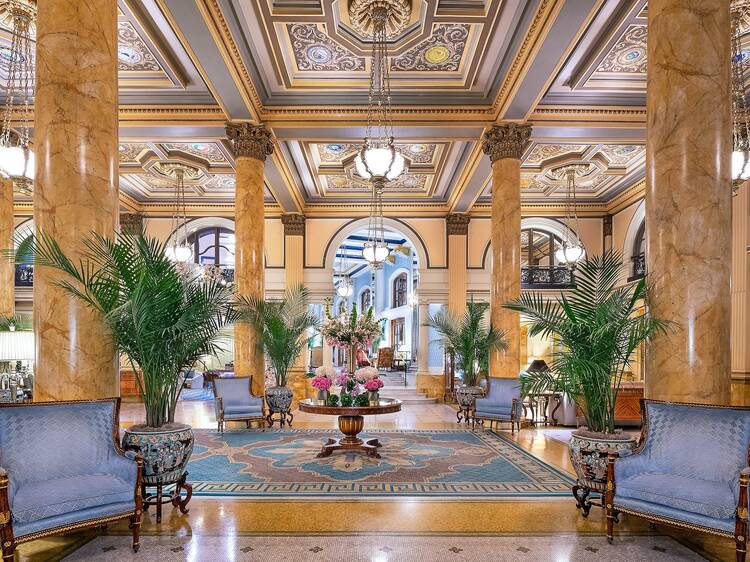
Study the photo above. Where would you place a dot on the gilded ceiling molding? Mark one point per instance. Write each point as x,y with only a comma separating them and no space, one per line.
294,224
248,140
219,28
532,38
399,14
506,141
574,114
457,224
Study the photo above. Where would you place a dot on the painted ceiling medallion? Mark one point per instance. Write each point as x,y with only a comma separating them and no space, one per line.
315,51
132,52
628,55
442,51
399,14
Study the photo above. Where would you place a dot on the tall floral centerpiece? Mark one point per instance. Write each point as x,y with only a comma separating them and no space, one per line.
350,331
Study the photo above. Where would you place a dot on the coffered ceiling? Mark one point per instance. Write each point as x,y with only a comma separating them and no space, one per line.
574,69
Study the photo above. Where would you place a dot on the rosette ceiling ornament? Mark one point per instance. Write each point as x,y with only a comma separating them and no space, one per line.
16,156
378,160
398,14
572,250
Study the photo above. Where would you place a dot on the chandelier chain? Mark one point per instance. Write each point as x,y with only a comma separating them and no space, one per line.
20,76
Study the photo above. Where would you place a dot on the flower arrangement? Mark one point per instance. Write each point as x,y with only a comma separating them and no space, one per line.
324,371
366,373
350,330
374,384
351,392
321,382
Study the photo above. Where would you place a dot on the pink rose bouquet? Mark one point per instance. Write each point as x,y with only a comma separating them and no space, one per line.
322,382
374,384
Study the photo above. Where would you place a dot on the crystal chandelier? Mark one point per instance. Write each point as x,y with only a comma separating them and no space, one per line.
739,10
572,251
16,156
378,160
179,250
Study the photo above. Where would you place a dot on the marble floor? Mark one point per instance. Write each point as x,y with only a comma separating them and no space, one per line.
217,528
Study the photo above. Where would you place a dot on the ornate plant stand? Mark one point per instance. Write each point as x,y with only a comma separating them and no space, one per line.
284,417
351,422
174,496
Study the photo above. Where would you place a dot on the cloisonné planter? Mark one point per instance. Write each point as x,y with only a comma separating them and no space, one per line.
588,454
279,399
466,396
166,450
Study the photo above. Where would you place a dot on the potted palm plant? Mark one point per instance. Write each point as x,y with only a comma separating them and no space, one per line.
470,340
598,326
283,328
161,317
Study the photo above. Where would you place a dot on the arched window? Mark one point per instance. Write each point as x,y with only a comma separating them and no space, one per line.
365,299
400,290
638,258
213,246
539,266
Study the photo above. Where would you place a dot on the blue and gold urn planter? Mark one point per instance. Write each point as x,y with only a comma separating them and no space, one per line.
166,450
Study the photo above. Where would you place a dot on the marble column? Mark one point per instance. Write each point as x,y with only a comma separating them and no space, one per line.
294,237
741,297
7,269
76,187
251,144
504,145
688,201
457,225
427,382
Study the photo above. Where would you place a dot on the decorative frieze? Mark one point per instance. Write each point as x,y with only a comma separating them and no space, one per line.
506,141
248,140
457,223
294,224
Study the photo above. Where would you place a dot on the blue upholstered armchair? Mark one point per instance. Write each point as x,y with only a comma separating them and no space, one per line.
234,401
62,469
502,403
690,470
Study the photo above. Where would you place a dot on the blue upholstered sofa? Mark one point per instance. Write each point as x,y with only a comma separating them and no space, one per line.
690,470
61,469
502,403
234,401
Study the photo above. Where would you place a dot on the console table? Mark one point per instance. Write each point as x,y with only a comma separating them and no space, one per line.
351,422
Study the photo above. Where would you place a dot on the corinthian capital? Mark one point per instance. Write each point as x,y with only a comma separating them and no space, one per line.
506,141
253,141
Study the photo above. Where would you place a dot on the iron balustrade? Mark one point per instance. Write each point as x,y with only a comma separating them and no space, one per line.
546,277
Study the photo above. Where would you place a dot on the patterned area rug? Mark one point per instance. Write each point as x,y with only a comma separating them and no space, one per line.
454,463
338,548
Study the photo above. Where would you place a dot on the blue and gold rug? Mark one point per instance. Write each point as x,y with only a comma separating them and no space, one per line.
447,463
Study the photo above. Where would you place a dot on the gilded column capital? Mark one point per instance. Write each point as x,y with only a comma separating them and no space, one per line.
253,141
131,223
294,224
457,223
506,141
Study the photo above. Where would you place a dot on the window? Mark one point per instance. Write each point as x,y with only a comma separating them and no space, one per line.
397,333
400,289
638,268
365,299
539,266
213,246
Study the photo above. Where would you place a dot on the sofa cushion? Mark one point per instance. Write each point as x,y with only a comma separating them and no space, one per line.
493,410
251,410
662,511
712,499
50,498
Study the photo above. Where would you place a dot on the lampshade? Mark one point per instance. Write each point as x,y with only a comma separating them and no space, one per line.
375,253
570,254
17,346
16,162
379,163
740,165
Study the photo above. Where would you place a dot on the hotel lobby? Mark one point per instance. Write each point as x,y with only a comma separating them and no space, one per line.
374,280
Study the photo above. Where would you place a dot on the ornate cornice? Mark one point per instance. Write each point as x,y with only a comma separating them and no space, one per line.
506,141
252,141
457,223
294,224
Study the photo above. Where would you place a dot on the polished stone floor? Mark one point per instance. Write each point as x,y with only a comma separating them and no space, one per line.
229,522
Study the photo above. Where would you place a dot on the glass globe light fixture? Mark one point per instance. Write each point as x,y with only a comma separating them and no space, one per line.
17,162
344,287
379,163
570,253
740,165
180,253
375,253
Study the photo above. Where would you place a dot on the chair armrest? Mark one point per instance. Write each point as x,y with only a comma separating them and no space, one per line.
742,500
124,465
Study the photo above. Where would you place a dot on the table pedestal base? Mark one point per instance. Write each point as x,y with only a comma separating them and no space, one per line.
351,426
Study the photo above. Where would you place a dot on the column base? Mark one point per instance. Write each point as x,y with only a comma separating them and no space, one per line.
300,385
430,384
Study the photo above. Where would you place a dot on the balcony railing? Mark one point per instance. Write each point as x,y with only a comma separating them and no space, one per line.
638,269
24,275
541,277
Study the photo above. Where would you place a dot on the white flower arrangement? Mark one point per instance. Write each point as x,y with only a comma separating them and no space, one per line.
366,373
324,371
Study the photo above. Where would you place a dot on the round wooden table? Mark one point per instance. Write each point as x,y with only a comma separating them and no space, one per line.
351,422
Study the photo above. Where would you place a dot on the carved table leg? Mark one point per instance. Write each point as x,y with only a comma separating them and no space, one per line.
177,500
581,494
